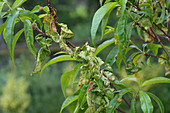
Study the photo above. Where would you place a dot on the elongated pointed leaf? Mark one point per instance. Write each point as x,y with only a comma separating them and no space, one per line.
106,17
29,36
133,106
58,59
17,3
65,78
158,101
17,35
122,29
10,23
146,104
111,56
156,80
123,5
68,101
100,13
132,79
104,45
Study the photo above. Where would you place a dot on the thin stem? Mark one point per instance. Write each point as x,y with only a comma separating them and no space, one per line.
36,28
120,110
162,36
156,56
71,44
161,30
160,42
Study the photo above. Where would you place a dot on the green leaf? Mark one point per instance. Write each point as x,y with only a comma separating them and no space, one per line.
104,23
148,62
129,30
104,45
153,47
58,59
158,101
17,3
65,78
122,29
76,70
146,104
133,106
2,27
17,35
119,60
105,19
111,56
156,80
123,6
162,17
131,78
68,101
113,105
10,23
35,9
101,2
97,18
136,58
148,12
31,15
29,36
1,6
82,95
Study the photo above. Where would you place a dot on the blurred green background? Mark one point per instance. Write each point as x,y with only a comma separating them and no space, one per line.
21,93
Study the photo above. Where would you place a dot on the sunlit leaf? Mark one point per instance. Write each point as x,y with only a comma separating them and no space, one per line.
136,59
104,45
153,47
97,18
158,101
146,104
58,59
156,80
68,101
17,3
29,36
10,23
131,79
